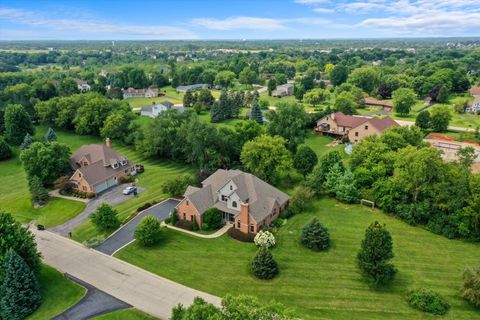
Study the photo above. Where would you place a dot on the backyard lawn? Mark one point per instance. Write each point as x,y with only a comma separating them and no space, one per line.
58,294
324,285
126,314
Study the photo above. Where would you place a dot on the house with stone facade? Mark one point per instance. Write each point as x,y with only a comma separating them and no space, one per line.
245,201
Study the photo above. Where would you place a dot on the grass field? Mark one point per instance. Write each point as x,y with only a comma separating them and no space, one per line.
58,294
324,285
14,194
126,314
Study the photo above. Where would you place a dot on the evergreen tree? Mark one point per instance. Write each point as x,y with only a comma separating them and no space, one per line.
216,113
333,178
346,189
374,254
305,160
37,191
272,85
19,292
225,105
5,151
256,113
50,135
263,264
27,141
315,236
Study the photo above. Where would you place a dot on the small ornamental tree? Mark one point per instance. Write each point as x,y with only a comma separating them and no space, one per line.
263,265
212,219
19,291
301,198
374,254
50,135
315,236
37,191
264,239
148,231
470,290
427,301
27,141
305,160
105,218
5,151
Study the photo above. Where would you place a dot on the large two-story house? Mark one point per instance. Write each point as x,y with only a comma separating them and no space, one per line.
244,200
98,167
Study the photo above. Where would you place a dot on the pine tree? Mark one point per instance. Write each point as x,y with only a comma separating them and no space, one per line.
332,179
27,141
315,236
256,113
346,189
263,264
216,114
374,254
50,135
37,191
225,105
19,292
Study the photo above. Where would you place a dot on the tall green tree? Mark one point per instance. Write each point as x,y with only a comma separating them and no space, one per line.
271,85
345,104
263,265
148,231
256,113
366,78
19,291
189,99
346,189
403,100
339,75
440,117
216,113
247,76
375,252
225,78
423,120
17,124
105,217
37,191
305,160
317,177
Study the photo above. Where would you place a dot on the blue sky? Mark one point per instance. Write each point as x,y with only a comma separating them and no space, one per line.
234,19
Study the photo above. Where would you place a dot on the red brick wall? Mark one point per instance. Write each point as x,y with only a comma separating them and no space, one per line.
186,207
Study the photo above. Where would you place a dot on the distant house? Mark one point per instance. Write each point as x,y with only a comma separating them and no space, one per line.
326,82
386,105
155,109
98,167
140,93
193,87
283,90
474,107
475,91
105,72
244,200
355,128
82,85
180,59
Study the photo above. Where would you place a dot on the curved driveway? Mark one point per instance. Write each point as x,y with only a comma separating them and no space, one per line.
125,234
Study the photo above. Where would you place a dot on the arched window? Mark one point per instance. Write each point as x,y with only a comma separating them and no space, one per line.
234,204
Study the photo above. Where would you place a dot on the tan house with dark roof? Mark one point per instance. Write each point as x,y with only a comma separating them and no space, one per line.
244,200
98,167
355,127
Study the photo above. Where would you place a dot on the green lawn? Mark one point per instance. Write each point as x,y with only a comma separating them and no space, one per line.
140,102
126,314
58,294
324,285
319,143
14,194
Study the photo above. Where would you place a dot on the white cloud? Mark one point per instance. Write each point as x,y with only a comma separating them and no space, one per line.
93,27
231,23
323,10
311,1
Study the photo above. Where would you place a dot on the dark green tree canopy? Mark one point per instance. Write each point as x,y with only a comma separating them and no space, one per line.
17,124
263,265
315,236
305,160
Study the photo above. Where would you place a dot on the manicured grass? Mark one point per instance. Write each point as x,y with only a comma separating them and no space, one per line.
140,102
58,294
14,194
273,101
319,143
126,314
323,285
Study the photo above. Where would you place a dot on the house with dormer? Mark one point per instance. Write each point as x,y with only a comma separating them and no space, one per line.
97,167
245,201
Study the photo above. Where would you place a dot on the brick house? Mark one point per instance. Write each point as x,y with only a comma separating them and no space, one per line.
283,90
98,167
140,93
355,128
244,200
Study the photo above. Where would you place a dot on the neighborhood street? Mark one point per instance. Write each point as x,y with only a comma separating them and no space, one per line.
112,197
141,289
125,234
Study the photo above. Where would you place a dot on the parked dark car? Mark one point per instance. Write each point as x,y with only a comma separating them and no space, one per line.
40,227
139,168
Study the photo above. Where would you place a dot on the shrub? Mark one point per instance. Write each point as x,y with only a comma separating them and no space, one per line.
301,198
5,151
315,236
212,219
427,301
174,217
105,217
168,220
144,207
240,236
263,264
127,179
375,252
195,226
148,231
287,213
470,290
19,292
264,239
184,224
177,185
277,223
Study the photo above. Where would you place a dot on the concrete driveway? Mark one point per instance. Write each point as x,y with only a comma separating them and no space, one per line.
125,234
141,289
112,197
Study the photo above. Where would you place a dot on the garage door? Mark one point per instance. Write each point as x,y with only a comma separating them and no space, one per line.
105,185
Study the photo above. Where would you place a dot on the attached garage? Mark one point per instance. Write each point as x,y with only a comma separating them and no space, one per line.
105,185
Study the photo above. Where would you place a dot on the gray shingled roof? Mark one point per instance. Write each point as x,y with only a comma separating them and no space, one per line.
260,195
95,153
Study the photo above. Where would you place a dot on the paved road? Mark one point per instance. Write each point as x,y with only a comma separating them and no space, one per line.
112,197
451,128
141,289
94,303
125,234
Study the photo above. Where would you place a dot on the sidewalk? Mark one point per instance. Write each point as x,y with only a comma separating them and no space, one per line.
216,234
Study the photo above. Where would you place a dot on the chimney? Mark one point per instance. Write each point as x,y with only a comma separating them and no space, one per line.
108,143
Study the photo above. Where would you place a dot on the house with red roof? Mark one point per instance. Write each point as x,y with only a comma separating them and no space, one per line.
353,127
